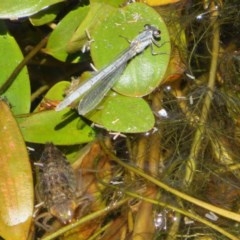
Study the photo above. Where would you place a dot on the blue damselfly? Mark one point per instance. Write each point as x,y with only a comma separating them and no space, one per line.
93,90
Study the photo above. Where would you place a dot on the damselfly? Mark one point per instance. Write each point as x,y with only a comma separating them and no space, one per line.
94,89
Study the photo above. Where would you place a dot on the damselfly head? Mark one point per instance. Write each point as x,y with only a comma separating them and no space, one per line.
156,33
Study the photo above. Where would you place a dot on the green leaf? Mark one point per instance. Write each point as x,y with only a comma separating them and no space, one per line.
61,35
55,92
146,71
62,128
15,9
46,16
53,96
123,114
16,183
18,94
70,34
98,12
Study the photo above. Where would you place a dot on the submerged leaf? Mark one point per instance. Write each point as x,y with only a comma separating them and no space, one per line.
16,183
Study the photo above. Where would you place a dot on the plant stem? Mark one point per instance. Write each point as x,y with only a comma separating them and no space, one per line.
199,134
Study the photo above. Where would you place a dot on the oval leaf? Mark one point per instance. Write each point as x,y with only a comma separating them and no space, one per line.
123,114
62,128
16,183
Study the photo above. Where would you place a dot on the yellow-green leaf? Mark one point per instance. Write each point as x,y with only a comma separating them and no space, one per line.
16,184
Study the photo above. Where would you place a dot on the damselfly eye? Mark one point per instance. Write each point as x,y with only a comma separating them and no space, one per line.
157,33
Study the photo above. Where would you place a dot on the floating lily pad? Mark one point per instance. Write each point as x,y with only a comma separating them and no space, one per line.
123,114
